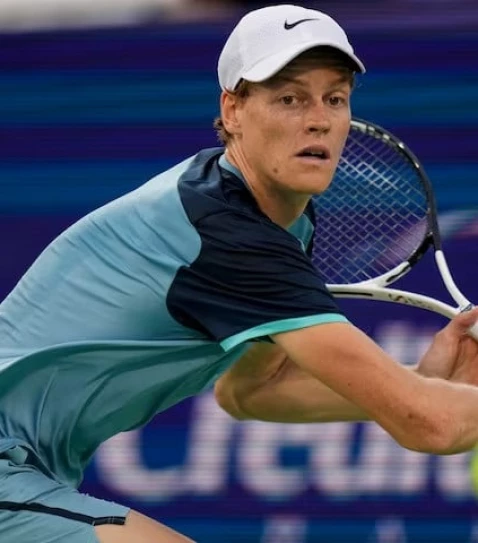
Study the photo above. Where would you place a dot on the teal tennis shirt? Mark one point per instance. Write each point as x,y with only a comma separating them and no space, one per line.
144,302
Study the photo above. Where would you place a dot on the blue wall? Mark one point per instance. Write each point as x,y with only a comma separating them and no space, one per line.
85,116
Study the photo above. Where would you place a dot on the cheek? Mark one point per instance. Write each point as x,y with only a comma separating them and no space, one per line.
266,141
342,134
267,128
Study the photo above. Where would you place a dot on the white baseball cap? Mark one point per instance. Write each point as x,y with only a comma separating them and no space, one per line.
267,39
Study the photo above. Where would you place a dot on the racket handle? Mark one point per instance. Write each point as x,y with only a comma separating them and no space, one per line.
473,331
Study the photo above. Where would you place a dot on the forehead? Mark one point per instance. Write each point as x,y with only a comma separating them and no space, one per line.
310,76
311,80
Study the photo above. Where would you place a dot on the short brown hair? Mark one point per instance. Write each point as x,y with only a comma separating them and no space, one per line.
323,56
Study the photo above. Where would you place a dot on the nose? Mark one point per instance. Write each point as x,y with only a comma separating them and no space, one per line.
317,120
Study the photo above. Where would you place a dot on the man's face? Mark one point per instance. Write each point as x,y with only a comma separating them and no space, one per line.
292,129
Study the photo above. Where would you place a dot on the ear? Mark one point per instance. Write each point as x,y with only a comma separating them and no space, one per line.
231,112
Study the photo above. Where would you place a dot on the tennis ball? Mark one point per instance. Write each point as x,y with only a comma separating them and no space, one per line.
474,471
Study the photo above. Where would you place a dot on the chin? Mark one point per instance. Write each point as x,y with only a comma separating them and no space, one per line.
317,186
308,182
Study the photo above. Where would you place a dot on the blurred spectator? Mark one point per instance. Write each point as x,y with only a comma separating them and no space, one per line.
21,15
17,15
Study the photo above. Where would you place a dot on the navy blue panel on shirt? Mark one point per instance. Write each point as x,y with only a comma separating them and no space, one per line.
249,271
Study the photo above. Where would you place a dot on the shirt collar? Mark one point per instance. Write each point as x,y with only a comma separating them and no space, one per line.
224,163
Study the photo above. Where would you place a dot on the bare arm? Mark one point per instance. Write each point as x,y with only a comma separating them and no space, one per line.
424,414
266,385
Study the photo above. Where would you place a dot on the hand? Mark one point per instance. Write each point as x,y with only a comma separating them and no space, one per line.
453,354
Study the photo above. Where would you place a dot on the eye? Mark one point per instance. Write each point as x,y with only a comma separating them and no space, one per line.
337,100
289,100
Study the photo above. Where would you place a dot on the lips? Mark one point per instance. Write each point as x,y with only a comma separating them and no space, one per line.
318,152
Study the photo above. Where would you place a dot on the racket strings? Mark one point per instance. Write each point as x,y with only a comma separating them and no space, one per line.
374,215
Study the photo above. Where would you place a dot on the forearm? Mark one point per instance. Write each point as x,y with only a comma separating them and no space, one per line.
294,396
266,385
421,413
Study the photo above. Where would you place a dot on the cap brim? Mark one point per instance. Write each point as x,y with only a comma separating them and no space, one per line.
272,64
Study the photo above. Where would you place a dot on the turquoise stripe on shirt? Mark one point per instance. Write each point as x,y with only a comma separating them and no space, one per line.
276,327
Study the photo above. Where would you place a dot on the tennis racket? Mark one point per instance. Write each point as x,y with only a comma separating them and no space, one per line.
376,221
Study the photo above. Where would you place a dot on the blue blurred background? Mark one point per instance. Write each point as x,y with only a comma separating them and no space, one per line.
95,98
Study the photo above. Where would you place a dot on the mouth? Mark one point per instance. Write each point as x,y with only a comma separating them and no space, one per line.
314,153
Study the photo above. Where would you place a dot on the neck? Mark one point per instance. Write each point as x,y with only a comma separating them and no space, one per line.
282,206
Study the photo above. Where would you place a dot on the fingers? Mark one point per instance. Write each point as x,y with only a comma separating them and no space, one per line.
462,322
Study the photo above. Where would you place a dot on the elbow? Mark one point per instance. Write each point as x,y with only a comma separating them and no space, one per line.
227,400
433,434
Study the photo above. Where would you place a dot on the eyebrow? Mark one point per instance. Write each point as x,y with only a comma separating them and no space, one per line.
283,79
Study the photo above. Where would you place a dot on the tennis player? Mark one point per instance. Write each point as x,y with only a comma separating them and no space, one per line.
201,276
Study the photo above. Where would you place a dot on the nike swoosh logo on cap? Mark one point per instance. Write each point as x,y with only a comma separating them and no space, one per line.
288,26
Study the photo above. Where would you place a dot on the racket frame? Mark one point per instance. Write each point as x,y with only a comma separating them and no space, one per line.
377,288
